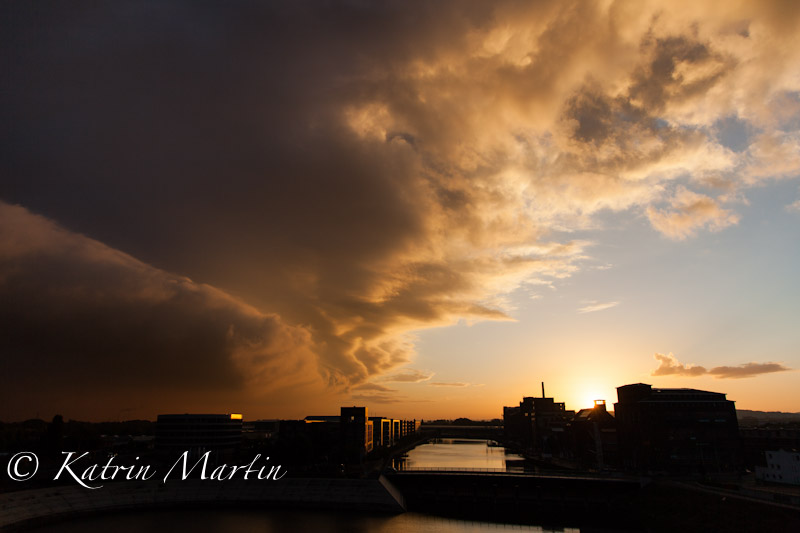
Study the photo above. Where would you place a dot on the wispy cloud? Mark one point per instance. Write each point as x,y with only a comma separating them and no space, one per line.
379,397
688,212
449,384
374,387
746,370
670,366
594,306
409,376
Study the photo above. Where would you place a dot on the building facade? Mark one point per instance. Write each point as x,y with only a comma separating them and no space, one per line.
782,467
538,425
199,433
357,433
595,443
381,432
677,430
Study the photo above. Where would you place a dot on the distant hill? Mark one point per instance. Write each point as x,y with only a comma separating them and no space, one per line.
756,418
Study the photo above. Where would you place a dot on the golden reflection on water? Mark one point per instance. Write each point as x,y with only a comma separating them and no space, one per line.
277,521
460,454
439,454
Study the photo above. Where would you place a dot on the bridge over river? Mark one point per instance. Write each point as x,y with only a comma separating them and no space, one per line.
457,431
471,479
487,484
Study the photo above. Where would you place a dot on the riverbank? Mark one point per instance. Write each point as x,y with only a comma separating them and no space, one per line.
22,509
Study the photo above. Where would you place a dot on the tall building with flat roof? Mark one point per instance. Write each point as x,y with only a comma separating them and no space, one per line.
381,432
677,430
357,432
537,425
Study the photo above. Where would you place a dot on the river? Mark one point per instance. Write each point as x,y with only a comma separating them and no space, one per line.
441,453
457,454
274,521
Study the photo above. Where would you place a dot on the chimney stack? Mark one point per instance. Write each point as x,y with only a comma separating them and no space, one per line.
542,389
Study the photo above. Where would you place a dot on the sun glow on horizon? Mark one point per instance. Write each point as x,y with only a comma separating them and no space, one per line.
588,401
586,393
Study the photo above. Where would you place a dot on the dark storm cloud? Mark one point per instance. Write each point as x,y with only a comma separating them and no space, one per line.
218,144
361,170
168,133
79,317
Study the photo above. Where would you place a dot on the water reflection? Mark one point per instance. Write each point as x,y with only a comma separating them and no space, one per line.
457,454
235,521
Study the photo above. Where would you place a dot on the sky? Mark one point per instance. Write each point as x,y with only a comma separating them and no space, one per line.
427,208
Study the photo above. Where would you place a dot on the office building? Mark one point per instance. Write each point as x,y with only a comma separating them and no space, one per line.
676,430
198,433
357,432
537,425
